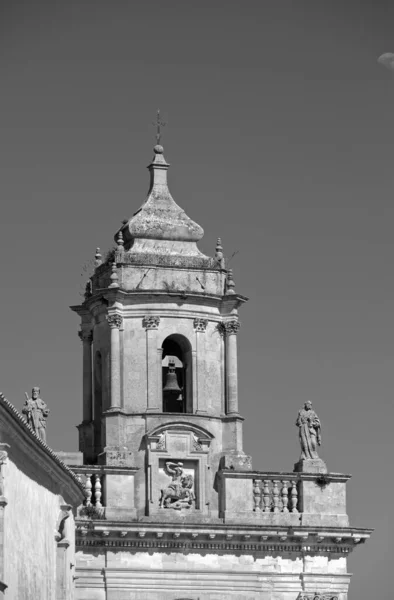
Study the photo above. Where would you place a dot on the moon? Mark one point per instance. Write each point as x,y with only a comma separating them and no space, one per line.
387,60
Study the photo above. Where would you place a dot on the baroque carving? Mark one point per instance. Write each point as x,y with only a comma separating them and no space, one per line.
161,443
179,493
36,412
200,325
197,447
151,322
231,327
318,596
115,321
86,335
309,427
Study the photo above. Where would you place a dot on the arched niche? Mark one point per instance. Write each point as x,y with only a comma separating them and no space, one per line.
177,369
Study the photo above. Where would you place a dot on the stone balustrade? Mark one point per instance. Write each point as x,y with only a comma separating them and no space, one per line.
292,499
275,495
109,491
93,481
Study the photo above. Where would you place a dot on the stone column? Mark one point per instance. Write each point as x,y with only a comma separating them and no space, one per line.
231,329
86,336
200,326
151,324
115,322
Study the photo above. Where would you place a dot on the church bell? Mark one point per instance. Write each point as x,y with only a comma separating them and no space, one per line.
172,380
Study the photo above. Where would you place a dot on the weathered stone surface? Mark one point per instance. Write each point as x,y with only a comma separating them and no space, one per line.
38,492
310,465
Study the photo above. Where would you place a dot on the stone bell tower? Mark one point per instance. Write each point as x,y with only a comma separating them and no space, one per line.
159,329
173,509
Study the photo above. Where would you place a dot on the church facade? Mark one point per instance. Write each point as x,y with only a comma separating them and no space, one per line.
173,508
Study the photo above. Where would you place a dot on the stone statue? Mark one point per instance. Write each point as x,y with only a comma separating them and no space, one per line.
309,427
179,494
36,412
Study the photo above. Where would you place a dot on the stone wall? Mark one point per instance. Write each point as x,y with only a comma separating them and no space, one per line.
38,493
200,576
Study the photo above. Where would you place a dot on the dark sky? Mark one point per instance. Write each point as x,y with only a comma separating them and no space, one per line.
280,135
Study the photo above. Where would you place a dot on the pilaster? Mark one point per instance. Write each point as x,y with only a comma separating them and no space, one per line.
231,329
151,324
115,322
200,326
86,336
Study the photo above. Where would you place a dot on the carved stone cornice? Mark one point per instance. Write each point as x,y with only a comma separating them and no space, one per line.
318,596
197,540
151,322
86,336
200,324
115,321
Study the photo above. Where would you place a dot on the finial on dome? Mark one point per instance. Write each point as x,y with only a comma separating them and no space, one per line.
230,285
219,253
97,258
114,277
158,124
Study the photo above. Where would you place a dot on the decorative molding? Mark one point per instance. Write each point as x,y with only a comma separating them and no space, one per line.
200,325
318,596
151,322
86,335
89,537
231,327
115,321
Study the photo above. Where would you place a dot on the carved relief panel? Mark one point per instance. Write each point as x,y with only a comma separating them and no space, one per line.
178,474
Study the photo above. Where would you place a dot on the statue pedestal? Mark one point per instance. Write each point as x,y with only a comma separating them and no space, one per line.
310,465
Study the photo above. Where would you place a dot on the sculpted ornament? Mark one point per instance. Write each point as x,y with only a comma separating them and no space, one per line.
200,325
309,427
151,322
85,336
231,327
179,494
115,321
36,412
316,596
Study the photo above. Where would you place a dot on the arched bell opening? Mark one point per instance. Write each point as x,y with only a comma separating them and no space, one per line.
177,375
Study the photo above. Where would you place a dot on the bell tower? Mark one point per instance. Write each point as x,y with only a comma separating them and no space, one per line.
159,328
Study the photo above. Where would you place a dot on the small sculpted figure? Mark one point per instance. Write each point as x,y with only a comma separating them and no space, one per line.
309,427
179,493
36,412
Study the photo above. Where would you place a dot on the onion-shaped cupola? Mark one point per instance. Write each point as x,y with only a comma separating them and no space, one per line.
160,225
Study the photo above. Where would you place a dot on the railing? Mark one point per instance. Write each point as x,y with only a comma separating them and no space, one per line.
92,479
273,495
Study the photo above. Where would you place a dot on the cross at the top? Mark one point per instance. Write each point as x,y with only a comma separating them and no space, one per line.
158,124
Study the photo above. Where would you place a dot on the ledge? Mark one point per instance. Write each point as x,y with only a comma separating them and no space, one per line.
219,537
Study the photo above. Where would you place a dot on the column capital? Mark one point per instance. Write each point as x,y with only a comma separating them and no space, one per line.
200,324
86,335
115,321
151,322
231,327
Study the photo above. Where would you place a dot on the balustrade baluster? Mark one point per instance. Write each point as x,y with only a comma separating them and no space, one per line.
275,494
266,496
97,491
285,496
257,494
294,497
88,489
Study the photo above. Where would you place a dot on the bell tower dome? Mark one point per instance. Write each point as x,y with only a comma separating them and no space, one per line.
159,328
